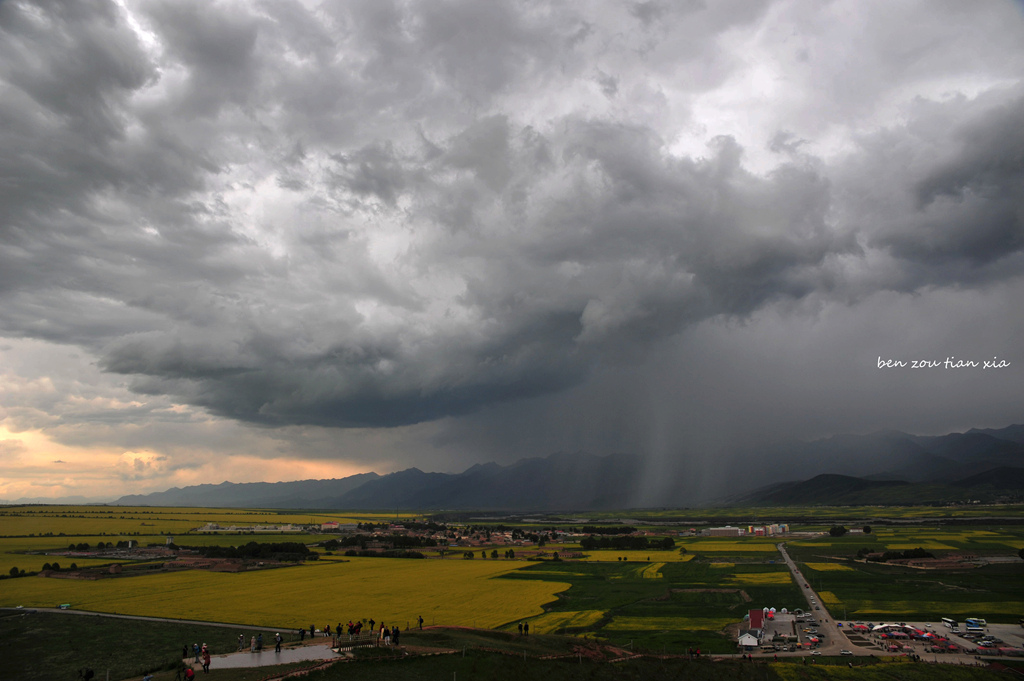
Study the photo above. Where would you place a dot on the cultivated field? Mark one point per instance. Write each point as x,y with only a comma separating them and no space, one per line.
872,591
668,606
666,600
451,592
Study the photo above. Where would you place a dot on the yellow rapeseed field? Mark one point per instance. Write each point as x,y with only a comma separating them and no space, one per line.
652,571
761,578
551,622
448,592
829,567
115,520
637,556
828,598
730,546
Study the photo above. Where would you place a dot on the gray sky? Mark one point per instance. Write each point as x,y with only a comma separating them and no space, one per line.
276,240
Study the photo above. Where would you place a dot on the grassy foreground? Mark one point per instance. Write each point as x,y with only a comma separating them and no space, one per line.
45,647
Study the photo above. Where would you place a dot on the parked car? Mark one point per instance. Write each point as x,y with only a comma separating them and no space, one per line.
845,652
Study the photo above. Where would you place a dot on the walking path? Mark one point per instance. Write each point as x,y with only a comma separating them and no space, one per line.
267,658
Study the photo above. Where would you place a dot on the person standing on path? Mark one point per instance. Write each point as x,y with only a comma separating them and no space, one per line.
241,642
277,642
526,628
421,622
252,645
206,662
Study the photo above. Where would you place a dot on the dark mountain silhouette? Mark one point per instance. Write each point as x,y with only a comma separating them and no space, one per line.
298,494
559,481
887,467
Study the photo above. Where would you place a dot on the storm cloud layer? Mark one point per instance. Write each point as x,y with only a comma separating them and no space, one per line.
372,215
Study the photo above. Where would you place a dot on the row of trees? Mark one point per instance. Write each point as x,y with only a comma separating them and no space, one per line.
84,546
626,543
509,554
895,555
840,530
398,541
283,551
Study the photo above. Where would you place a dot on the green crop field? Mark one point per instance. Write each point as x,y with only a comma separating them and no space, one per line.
870,591
689,605
866,590
656,600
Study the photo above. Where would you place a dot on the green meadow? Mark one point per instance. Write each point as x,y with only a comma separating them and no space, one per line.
874,591
687,605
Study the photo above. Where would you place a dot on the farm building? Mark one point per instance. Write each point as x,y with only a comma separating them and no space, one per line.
748,641
727,531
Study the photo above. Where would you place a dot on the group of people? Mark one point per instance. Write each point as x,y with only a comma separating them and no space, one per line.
381,633
201,654
256,643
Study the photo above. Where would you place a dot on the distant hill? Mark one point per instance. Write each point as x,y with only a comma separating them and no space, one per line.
996,485
887,467
559,481
298,494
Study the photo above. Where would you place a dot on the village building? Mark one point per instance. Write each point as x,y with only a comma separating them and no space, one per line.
726,531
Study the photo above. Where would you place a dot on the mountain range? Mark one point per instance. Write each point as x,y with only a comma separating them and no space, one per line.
888,467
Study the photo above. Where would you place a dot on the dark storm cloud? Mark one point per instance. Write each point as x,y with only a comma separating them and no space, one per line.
956,213
377,214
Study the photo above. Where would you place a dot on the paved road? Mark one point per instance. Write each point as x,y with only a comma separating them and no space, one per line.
834,638
317,651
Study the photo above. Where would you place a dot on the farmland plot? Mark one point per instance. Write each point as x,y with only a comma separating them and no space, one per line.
446,592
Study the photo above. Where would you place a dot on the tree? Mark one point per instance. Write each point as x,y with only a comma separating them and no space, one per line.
494,554
867,529
55,567
837,530
14,572
47,566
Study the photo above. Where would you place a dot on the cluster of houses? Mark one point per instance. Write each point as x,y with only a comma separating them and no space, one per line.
247,529
773,530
